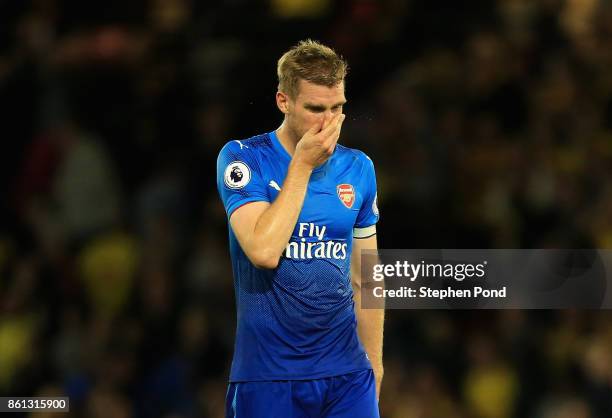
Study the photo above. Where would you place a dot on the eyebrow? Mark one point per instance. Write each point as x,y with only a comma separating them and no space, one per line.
313,106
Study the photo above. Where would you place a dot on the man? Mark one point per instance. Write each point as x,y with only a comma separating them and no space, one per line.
301,208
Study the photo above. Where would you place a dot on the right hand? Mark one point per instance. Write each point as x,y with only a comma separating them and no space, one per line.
319,142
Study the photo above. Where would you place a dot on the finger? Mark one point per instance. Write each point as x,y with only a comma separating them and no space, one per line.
333,124
330,145
331,148
335,134
314,129
326,121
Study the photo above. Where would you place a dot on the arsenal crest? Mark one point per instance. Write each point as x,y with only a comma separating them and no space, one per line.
346,193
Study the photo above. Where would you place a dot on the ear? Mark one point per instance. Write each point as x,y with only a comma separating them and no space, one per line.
282,101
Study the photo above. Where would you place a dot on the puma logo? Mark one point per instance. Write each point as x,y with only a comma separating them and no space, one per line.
241,144
274,185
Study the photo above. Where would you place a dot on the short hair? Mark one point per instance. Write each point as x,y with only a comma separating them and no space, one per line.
311,61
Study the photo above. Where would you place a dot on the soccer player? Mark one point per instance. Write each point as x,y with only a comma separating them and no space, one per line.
301,208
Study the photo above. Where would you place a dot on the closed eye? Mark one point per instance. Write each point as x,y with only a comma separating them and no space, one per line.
319,109
315,109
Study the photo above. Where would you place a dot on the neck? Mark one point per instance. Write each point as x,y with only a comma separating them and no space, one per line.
287,138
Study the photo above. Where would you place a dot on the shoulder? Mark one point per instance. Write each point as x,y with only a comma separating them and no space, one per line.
353,156
239,159
248,147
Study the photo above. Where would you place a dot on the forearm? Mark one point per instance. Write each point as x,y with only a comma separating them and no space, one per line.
274,227
370,325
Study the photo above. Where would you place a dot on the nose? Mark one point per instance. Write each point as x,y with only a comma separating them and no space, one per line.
328,114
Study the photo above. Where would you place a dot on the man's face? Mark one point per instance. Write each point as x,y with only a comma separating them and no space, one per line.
312,103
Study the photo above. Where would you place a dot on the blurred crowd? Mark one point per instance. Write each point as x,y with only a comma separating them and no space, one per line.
489,124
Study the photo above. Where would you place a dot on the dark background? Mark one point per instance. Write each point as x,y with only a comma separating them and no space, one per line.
489,124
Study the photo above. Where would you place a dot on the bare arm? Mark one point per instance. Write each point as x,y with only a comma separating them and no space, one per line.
263,230
370,322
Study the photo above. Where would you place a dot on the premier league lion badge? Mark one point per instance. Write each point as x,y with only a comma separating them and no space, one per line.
237,175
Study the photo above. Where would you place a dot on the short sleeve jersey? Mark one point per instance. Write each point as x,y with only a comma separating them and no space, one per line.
297,321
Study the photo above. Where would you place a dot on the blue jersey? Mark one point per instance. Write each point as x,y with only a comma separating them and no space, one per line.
297,321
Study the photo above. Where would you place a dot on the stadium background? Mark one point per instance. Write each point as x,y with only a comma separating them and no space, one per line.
490,125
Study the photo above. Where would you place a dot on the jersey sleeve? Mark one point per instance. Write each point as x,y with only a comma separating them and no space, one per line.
368,216
239,177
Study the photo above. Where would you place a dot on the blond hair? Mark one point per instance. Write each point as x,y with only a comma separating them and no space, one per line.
311,61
